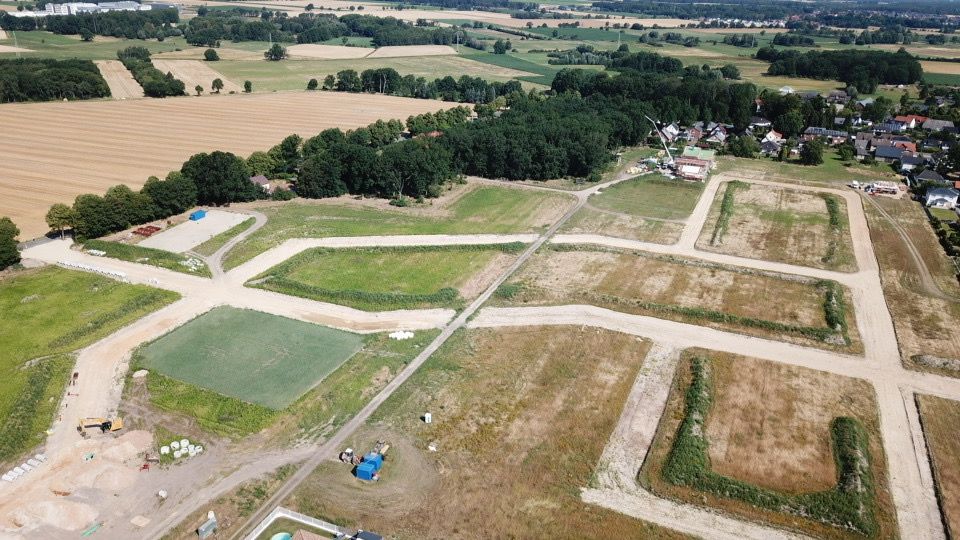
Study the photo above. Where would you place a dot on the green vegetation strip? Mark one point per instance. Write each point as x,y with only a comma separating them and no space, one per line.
153,257
726,210
148,301
33,407
850,505
280,278
212,245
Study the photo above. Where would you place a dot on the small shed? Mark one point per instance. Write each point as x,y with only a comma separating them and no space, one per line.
198,215
366,470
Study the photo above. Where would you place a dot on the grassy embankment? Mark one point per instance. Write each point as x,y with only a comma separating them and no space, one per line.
153,257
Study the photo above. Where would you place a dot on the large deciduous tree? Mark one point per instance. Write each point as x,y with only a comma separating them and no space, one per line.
60,217
9,254
221,178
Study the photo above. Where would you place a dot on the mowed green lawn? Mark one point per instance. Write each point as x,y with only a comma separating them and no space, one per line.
487,209
252,356
46,313
652,197
382,278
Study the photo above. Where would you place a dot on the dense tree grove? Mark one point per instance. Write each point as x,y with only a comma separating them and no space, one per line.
210,29
793,40
153,81
36,79
9,254
220,178
121,24
748,41
862,69
388,81
758,10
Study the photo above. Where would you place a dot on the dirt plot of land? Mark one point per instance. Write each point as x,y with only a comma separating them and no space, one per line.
9,49
940,419
119,79
515,441
195,72
671,288
413,50
769,426
333,52
782,225
97,145
600,221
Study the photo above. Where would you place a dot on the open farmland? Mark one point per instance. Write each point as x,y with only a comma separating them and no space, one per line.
97,146
787,308
752,437
272,367
413,50
379,279
778,224
327,52
940,419
64,311
121,82
195,72
510,435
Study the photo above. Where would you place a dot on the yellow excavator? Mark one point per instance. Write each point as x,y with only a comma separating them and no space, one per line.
105,425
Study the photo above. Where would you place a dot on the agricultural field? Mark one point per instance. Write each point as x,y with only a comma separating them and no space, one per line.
777,224
787,308
647,208
50,45
381,279
510,440
47,314
471,208
271,367
751,437
831,173
99,147
940,418
121,82
195,72
923,312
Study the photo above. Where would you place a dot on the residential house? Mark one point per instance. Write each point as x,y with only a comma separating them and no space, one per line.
887,154
838,96
930,175
941,198
909,162
772,136
937,125
717,135
910,121
760,122
909,146
770,148
261,181
888,127
839,121
834,136
671,132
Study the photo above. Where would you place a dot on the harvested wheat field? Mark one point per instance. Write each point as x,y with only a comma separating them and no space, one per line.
413,50
940,419
86,147
952,68
328,52
195,72
9,49
121,82
769,429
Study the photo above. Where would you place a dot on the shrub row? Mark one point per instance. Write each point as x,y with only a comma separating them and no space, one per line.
850,505
835,308
726,210
444,296
148,301
18,428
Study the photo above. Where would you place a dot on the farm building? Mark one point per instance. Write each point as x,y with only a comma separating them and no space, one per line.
941,198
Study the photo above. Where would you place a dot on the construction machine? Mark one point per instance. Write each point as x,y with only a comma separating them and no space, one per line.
105,425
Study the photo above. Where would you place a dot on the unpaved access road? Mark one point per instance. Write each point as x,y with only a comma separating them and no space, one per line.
119,79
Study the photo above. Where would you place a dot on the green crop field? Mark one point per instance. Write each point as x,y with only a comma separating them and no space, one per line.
482,210
378,279
49,45
47,313
652,197
272,366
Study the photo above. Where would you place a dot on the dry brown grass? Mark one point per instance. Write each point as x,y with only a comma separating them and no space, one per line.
783,225
119,79
619,280
195,72
769,425
413,50
10,49
516,441
56,151
334,52
952,68
593,220
940,418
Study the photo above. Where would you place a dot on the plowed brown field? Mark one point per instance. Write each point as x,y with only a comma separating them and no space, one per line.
52,152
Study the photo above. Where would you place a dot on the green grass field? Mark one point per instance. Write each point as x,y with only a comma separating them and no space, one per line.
381,278
49,45
271,366
487,209
48,313
652,197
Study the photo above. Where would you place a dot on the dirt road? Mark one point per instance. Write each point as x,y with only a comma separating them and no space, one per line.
119,79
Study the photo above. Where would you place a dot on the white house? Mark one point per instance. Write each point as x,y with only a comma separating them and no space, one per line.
942,198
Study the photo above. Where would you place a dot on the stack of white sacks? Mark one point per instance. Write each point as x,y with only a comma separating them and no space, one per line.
24,468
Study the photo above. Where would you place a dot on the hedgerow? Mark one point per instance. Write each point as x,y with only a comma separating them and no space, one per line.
850,505
836,226
726,210
18,431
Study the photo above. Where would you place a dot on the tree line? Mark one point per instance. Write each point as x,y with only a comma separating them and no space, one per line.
120,24
466,89
154,82
861,69
44,79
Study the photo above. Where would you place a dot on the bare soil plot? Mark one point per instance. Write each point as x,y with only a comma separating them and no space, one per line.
594,220
769,428
195,72
97,146
10,49
788,308
3,34
119,79
924,323
940,418
780,224
413,50
333,52
515,441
